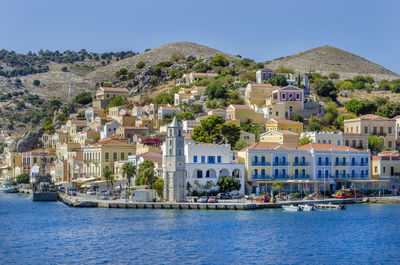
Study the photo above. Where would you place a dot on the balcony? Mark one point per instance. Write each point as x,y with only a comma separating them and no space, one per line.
300,164
256,177
359,164
324,176
341,164
324,164
342,176
379,134
281,177
280,163
301,176
260,163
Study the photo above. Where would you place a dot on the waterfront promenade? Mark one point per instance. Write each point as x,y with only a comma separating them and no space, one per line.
86,201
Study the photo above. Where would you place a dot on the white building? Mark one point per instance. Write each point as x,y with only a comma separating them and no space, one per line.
324,137
109,129
189,125
207,162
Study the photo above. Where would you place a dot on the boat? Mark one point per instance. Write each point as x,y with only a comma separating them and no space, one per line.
291,208
43,187
330,206
307,207
7,187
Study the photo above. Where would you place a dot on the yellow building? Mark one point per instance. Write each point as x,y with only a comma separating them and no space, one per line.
146,122
256,94
248,138
13,163
126,120
35,157
244,113
286,138
386,165
115,112
105,153
284,125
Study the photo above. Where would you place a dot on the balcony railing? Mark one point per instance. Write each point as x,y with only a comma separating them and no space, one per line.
324,176
260,163
300,164
281,177
301,176
261,177
341,164
280,163
324,164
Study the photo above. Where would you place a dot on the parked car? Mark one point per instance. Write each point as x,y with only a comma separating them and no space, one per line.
61,189
203,199
104,197
115,196
224,196
91,192
262,198
212,199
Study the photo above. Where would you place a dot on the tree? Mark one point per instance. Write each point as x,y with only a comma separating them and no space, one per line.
278,186
83,98
64,69
325,88
277,80
146,172
217,89
389,110
159,186
214,129
117,101
219,60
140,65
375,143
240,145
297,117
227,184
334,75
36,82
122,71
361,107
339,122
200,67
248,77
314,125
304,140
107,174
128,172
23,178
283,69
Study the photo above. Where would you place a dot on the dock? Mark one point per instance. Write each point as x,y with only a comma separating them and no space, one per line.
77,201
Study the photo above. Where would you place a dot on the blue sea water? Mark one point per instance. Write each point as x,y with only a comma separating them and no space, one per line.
52,233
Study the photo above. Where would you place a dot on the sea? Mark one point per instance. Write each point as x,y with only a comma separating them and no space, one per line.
53,233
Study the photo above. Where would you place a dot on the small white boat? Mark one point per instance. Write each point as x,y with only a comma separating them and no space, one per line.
291,208
330,206
7,187
307,207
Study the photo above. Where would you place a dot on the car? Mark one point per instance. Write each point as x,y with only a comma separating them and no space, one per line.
342,196
262,198
224,196
91,192
212,199
104,197
61,189
203,199
115,196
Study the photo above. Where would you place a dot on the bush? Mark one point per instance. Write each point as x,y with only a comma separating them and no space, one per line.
23,178
83,98
201,67
248,77
140,65
36,82
277,80
117,101
297,117
219,60
64,69
122,71
283,69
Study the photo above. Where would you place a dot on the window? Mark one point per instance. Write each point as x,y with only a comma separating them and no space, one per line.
319,161
384,169
297,130
203,159
219,159
34,160
336,173
303,172
297,96
366,129
194,159
122,156
296,172
255,172
353,173
390,130
296,160
276,172
115,156
319,174
353,161
129,154
263,160
283,96
262,172
337,161
326,161
376,169
107,155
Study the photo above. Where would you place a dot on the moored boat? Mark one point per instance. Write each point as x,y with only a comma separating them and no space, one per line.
307,207
330,206
7,187
291,208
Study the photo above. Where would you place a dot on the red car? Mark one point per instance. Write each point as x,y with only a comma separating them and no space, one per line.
212,199
342,196
262,198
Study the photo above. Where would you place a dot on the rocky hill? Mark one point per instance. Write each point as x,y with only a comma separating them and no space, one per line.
327,59
157,55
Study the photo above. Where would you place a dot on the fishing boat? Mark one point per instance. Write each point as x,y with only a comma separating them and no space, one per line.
307,207
7,187
291,208
330,206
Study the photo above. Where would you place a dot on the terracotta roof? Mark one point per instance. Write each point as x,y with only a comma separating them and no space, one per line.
134,127
79,122
290,88
389,153
39,151
280,132
327,147
112,141
241,107
115,89
397,117
154,159
150,154
213,74
265,145
171,108
282,121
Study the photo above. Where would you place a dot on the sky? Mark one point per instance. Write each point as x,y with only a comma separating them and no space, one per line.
260,30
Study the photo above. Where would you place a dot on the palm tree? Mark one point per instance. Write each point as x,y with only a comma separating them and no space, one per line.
107,174
128,172
278,186
146,172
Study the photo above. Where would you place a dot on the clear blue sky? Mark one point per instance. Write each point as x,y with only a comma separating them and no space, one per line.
261,30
